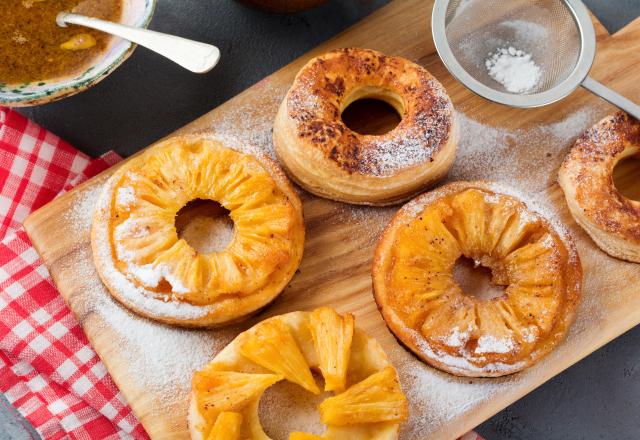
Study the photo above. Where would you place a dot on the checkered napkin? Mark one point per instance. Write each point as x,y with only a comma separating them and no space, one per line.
48,370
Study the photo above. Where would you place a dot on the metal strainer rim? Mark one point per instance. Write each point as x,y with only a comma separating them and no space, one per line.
569,84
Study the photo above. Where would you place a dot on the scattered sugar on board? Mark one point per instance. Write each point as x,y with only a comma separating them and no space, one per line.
248,127
81,213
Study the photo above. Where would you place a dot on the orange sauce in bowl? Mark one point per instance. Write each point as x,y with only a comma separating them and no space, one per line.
31,43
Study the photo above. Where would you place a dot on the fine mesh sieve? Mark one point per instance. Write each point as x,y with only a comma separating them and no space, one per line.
558,34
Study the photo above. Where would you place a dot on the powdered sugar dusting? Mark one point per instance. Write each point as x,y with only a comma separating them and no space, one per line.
526,158
491,344
207,235
248,127
126,196
457,338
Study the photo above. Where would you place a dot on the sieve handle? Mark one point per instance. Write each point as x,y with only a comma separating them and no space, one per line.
599,89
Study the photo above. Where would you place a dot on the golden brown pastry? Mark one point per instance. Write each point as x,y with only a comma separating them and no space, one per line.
368,403
427,310
149,269
330,160
612,220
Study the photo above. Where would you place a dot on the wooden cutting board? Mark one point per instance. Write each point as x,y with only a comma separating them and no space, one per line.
152,363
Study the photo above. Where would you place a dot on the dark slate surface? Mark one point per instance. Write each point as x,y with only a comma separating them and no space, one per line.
148,98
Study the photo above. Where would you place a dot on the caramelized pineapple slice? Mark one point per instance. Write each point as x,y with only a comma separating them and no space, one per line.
469,222
272,346
332,335
227,426
378,398
304,436
218,391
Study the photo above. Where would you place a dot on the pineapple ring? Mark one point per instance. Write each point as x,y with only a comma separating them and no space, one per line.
149,269
330,160
428,311
585,177
234,382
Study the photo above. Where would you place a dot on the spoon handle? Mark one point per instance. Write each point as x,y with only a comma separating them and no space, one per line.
192,55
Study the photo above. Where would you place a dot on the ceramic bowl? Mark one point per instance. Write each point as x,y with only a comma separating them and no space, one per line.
135,13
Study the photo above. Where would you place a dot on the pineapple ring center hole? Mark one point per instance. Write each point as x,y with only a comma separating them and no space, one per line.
476,280
205,225
625,178
285,407
371,116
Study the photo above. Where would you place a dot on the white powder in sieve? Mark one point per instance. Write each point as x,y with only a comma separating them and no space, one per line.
514,69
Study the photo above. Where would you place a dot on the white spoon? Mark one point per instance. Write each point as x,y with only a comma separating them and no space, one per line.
193,55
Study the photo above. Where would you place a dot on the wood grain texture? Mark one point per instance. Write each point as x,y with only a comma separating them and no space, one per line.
340,239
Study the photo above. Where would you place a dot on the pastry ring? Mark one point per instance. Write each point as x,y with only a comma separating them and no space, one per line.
612,220
368,403
426,308
330,160
149,269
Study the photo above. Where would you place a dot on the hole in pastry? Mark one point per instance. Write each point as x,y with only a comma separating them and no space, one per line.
625,178
205,225
286,407
371,116
475,280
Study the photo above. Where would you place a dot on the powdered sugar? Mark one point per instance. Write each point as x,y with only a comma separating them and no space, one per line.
248,127
125,196
526,158
514,69
491,344
207,235
457,338
526,31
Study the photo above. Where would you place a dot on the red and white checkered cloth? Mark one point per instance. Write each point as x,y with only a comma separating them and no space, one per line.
48,370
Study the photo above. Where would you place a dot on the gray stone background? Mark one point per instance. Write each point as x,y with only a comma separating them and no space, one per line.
148,97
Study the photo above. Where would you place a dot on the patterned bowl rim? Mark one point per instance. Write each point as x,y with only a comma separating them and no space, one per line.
66,87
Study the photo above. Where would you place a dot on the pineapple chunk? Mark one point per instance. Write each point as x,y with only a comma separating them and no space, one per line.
332,335
272,346
304,436
227,426
218,391
378,398
79,42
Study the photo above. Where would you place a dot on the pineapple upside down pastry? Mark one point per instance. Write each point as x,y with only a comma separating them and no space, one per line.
612,220
367,401
427,310
326,157
152,271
